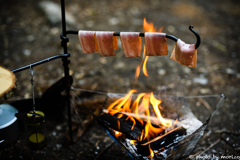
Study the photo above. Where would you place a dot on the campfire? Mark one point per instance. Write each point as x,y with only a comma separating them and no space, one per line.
150,126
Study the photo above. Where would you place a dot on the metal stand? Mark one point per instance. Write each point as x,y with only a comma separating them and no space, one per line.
66,62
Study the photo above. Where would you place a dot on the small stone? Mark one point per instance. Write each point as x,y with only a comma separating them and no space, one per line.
54,30
238,75
58,146
171,29
59,127
26,52
31,38
187,70
205,90
203,70
171,85
79,75
27,95
188,82
54,133
53,12
119,65
162,72
201,80
103,60
113,21
81,82
230,71
198,104
89,23
98,147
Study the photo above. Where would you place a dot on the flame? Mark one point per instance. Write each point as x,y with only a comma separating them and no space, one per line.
117,134
147,27
133,141
141,106
151,152
145,62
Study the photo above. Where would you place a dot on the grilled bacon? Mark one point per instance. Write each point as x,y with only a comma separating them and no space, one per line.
184,54
87,41
131,44
106,43
156,44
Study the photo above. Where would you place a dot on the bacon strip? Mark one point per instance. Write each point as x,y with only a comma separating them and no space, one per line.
87,41
131,44
184,54
156,44
106,42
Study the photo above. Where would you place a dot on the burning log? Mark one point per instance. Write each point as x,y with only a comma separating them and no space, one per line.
145,147
166,139
124,127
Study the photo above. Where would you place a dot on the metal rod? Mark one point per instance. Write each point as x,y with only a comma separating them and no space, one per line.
142,35
40,62
32,81
66,70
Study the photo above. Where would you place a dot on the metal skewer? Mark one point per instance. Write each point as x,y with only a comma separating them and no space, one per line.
197,44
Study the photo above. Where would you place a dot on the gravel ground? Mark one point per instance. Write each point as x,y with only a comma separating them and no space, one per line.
27,35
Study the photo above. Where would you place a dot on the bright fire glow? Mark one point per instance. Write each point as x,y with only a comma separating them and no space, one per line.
142,104
147,27
151,152
117,134
133,142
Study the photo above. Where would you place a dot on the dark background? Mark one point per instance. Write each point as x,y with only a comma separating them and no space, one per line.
26,36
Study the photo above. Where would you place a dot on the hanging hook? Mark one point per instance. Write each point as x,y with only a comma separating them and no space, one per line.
197,36
31,72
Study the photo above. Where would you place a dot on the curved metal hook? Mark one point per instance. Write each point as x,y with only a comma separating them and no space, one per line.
197,36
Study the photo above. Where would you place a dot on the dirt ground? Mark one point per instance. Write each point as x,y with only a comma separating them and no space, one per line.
27,36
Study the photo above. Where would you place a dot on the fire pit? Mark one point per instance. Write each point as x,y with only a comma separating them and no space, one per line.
152,126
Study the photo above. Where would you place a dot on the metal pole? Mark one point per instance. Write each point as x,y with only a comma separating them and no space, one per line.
40,62
66,62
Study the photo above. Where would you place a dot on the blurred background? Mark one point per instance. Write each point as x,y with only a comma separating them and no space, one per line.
30,30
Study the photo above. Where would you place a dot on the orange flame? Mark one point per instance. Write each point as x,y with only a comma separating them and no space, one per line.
133,142
151,152
145,63
117,134
147,27
140,107
142,104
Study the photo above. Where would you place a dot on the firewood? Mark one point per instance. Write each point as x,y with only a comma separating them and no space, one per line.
7,84
166,139
125,126
154,120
